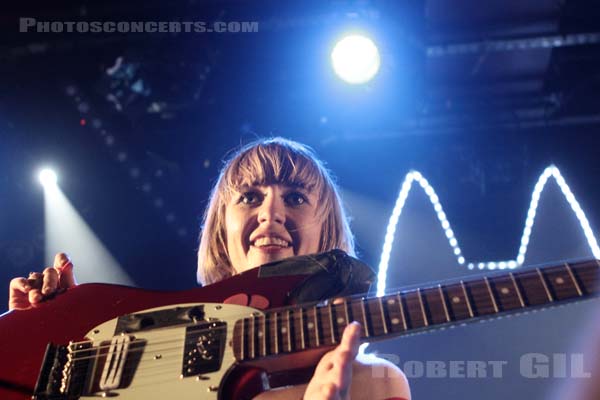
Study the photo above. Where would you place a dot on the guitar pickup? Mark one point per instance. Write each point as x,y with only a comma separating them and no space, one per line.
116,357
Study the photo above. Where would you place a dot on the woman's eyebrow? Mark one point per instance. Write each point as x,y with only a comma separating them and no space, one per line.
297,185
246,187
288,185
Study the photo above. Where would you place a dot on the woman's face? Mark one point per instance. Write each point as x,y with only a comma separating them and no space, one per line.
269,223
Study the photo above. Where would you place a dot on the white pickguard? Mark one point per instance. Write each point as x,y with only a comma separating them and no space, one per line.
158,373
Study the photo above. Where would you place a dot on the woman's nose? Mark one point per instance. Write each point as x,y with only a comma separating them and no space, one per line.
272,210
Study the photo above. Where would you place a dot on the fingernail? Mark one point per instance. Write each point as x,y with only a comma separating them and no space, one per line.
65,266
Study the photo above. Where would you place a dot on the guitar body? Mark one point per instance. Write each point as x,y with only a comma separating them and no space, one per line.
90,312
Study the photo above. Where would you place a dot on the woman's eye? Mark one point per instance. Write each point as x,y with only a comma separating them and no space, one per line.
295,199
249,198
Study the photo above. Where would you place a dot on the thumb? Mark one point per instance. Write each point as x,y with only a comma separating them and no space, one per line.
351,339
64,267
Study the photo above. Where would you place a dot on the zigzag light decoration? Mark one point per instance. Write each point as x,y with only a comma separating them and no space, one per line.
550,171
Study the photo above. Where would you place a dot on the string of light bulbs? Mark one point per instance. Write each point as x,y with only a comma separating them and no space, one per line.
412,176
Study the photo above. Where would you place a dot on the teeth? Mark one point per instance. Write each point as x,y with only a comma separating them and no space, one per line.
270,241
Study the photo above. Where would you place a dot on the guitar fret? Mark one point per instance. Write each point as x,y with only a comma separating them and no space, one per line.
347,312
504,292
288,330
589,276
242,339
434,306
457,305
383,319
414,309
541,275
392,314
316,327
301,322
252,337
340,319
420,295
276,331
358,313
444,302
517,290
534,293
264,335
331,327
402,311
364,318
579,292
487,282
464,289
374,311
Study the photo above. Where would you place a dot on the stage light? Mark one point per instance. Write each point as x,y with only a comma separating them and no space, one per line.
355,59
47,177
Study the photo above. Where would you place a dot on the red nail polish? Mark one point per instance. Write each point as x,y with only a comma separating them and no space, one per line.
65,266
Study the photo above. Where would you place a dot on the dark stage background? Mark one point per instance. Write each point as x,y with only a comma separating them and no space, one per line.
480,97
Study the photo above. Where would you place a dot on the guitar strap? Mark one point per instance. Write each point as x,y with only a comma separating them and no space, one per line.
330,274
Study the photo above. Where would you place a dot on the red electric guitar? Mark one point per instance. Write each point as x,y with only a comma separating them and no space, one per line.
115,341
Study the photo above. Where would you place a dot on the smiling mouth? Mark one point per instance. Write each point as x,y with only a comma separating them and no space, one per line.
270,242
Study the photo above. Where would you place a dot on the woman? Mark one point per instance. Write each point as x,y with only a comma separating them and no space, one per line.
273,200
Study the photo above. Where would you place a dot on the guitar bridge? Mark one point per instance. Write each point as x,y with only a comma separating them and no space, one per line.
64,371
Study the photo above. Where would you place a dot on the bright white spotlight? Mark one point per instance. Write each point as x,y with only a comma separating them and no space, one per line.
47,177
355,59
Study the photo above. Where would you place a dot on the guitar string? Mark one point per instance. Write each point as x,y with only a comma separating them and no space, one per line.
147,370
290,321
280,317
154,348
147,367
352,301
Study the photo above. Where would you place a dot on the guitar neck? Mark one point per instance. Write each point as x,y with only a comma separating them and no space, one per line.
301,328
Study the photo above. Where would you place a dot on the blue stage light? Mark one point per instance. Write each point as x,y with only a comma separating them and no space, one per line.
355,59
47,177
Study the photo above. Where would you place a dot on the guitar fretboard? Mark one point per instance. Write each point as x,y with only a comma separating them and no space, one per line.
305,327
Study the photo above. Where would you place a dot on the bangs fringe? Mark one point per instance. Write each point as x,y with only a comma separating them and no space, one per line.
275,163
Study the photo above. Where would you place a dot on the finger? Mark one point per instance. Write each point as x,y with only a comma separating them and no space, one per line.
19,285
35,280
351,339
35,296
64,267
50,281
17,294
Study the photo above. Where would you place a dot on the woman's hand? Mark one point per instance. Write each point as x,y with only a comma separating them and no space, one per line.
25,293
333,374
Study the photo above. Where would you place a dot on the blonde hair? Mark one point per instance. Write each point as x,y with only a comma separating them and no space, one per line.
264,162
